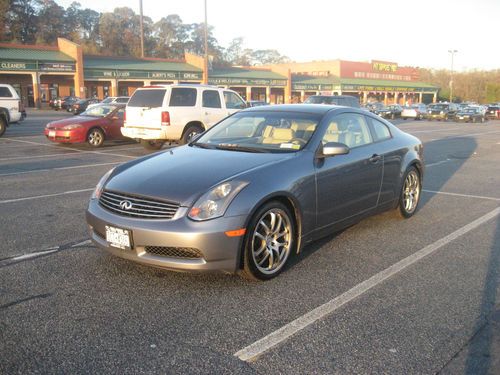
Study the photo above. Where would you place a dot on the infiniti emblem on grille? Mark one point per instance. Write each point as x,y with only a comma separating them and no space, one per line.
126,205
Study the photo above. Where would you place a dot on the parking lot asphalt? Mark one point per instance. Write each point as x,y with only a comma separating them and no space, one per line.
417,296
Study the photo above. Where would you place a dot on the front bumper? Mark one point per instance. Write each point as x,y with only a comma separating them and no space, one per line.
437,116
218,252
65,136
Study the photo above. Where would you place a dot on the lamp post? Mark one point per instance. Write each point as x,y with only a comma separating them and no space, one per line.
452,52
205,68
142,29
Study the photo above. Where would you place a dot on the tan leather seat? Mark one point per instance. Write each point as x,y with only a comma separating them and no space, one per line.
333,134
278,135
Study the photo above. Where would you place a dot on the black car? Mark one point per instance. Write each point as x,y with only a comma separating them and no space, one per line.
469,114
81,105
65,102
344,100
391,111
374,106
441,111
493,112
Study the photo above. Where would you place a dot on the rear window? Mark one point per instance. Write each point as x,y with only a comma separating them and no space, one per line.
183,97
5,92
147,98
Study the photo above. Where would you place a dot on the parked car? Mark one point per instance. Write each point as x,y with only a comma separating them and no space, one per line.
256,103
11,107
374,106
82,105
64,102
470,114
156,114
391,111
345,100
256,188
414,111
112,100
94,126
493,112
441,111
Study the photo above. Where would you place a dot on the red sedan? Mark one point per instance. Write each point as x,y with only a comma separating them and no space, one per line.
92,126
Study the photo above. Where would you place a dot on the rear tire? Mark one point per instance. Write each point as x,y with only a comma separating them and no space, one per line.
190,132
155,144
3,125
410,193
269,242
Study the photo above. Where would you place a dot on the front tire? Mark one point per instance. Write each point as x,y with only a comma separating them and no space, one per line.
152,144
3,125
269,242
410,193
95,137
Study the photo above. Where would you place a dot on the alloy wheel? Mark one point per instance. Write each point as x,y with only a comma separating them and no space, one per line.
411,191
95,138
271,241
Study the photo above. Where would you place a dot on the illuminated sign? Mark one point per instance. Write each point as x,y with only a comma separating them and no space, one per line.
384,66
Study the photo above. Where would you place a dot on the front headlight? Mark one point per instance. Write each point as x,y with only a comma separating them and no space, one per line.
215,202
96,194
442,112
71,127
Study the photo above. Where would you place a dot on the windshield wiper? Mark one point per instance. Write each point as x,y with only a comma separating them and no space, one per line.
234,147
202,145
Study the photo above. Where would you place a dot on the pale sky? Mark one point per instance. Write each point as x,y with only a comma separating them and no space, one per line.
410,33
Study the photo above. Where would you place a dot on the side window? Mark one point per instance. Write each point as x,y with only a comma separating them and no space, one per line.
182,97
211,99
380,130
348,128
120,113
233,101
5,92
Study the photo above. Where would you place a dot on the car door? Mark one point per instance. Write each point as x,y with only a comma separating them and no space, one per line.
349,184
115,123
212,107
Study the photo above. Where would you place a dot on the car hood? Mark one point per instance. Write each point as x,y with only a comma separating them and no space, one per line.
73,120
183,174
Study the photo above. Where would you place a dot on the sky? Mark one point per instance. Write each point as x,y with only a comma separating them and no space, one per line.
410,33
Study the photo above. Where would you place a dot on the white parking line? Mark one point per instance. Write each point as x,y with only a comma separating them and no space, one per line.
461,195
46,196
429,131
103,152
252,351
71,149
437,163
57,169
34,255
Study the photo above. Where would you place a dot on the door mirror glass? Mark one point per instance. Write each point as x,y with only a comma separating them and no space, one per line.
334,148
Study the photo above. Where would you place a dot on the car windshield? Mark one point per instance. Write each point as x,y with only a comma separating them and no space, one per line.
99,111
322,100
470,110
261,132
107,100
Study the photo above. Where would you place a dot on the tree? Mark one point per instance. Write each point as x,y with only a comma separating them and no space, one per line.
21,21
51,23
268,56
170,36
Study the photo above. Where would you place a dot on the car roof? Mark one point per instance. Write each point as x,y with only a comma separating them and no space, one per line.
297,108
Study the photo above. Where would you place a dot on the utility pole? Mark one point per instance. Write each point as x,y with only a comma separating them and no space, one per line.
205,68
142,29
452,52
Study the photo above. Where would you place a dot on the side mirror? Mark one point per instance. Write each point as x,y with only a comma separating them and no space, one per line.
333,148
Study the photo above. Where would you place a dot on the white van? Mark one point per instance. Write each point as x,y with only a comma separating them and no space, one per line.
156,114
11,108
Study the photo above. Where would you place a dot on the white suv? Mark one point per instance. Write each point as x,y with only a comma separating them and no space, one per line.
11,109
156,114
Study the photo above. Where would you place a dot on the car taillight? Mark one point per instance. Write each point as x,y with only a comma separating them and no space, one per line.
165,119
124,116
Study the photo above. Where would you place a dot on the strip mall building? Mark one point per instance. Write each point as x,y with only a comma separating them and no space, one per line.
41,73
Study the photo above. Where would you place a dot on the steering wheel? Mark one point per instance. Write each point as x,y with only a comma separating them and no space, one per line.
298,141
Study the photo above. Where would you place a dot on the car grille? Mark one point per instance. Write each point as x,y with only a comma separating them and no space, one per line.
174,252
139,207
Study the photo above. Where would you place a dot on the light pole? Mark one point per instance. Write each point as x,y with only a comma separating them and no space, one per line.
205,68
452,51
142,29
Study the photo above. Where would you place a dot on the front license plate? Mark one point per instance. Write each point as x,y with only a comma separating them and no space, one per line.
118,237
52,133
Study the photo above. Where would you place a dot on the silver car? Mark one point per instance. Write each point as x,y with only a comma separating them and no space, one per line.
253,190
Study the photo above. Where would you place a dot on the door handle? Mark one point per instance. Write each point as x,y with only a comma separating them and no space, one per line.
206,113
375,159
